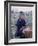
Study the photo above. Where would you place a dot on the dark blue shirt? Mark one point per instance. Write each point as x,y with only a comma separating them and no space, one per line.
20,23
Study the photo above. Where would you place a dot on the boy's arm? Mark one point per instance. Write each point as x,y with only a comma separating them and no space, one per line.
17,24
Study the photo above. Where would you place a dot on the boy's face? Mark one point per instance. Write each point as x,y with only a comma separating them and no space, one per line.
22,17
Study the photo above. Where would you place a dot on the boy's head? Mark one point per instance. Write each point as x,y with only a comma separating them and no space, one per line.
21,15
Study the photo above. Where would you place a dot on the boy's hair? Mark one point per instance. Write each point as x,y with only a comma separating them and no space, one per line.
21,13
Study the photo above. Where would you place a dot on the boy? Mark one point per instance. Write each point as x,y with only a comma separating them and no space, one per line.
20,25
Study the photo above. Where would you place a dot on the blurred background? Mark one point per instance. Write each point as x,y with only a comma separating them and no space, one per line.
15,12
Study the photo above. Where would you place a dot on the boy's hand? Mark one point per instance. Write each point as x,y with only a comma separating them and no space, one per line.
22,28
